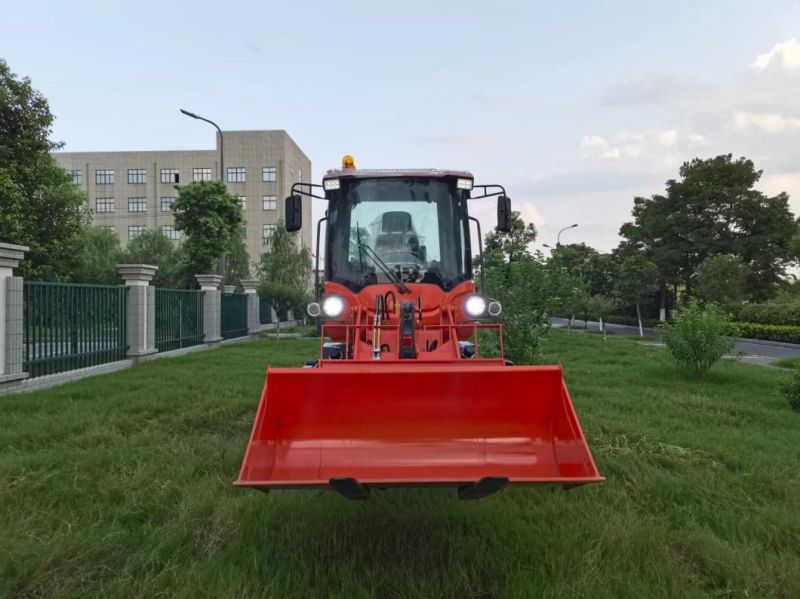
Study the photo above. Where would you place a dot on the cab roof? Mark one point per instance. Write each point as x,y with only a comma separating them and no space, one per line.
371,173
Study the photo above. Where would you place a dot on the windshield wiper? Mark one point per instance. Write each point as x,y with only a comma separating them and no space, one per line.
401,287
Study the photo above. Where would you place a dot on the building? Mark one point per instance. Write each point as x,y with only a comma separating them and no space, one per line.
131,191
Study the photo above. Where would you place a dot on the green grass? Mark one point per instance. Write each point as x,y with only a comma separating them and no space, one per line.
788,363
121,485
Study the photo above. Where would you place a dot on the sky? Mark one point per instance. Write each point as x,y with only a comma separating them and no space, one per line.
575,107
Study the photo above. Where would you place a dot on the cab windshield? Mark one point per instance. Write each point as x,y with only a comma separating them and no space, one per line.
416,228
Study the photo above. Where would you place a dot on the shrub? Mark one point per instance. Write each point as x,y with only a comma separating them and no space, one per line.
768,332
529,291
771,313
791,390
697,337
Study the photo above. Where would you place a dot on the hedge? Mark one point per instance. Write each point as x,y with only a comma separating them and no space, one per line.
777,314
768,332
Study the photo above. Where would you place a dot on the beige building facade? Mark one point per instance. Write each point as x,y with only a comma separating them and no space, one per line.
133,191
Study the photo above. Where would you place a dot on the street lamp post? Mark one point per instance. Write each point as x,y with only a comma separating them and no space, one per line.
558,237
221,173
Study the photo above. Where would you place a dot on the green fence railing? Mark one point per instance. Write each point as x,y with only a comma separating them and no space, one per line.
264,311
234,315
179,318
69,326
283,316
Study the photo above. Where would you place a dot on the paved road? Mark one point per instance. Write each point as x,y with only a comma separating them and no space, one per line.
753,351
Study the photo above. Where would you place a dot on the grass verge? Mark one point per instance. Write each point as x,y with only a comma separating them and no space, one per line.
121,485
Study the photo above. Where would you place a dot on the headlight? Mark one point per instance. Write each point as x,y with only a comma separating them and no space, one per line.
313,309
331,184
332,306
464,184
475,306
495,309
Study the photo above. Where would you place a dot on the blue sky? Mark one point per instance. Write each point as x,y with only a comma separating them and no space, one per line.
576,108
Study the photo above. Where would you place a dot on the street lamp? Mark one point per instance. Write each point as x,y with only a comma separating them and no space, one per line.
221,153
221,175
558,237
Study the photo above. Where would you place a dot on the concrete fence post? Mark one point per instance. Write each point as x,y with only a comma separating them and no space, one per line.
11,343
141,317
212,307
253,317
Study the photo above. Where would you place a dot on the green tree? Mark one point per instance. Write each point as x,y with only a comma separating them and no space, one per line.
237,261
153,247
602,306
210,219
39,205
637,276
714,209
285,271
98,254
596,269
721,279
513,245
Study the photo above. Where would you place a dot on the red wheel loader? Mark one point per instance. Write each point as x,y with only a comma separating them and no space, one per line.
403,391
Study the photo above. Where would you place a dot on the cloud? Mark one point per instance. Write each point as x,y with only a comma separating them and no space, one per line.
665,144
784,55
768,122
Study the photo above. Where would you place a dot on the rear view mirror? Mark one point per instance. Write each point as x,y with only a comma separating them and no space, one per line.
294,213
503,214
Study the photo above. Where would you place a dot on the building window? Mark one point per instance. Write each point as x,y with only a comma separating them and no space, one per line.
104,205
244,231
135,230
201,174
269,173
109,228
268,230
166,204
137,205
137,176
77,177
242,202
269,203
104,177
236,174
170,175
171,232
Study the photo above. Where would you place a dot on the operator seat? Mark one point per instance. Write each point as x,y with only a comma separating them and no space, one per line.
397,236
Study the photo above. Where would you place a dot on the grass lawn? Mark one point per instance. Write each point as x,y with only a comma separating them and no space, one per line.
121,485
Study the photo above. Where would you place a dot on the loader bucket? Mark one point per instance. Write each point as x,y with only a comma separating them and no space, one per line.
359,426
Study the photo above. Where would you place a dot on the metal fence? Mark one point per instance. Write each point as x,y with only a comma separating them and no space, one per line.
179,318
264,311
234,315
69,326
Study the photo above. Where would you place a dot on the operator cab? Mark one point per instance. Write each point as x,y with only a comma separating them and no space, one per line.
396,226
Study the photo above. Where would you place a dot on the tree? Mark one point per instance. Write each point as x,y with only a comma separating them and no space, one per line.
602,306
637,276
153,247
596,269
39,205
513,245
721,279
285,271
98,256
714,209
237,261
210,218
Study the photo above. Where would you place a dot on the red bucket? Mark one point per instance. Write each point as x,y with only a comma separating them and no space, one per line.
477,427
